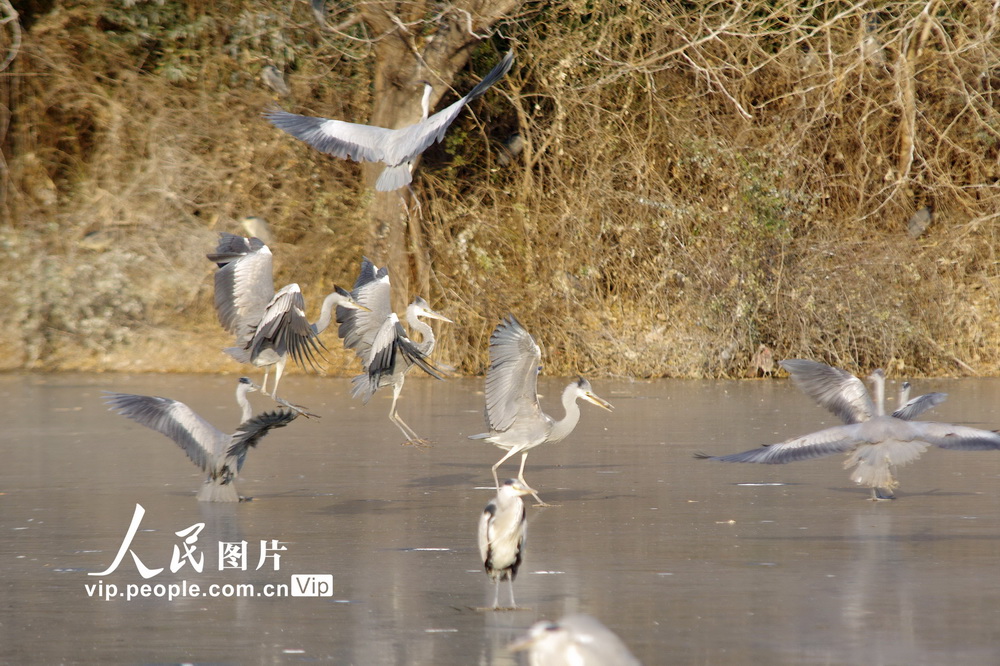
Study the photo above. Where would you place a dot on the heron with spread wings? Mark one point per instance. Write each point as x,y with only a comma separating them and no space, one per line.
396,148
515,419
269,326
386,350
876,443
219,454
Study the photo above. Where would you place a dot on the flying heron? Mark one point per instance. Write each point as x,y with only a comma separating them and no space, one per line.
575,640
502,529
269,326
396,148
376,335
876,443
218,453
516,421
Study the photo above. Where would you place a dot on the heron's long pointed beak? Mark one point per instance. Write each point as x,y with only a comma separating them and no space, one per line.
437,315
350,303
522,489
599,401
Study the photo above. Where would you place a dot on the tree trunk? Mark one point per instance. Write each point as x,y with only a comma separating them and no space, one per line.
406,54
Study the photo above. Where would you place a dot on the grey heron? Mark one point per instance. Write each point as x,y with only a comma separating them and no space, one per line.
269,326
515,419
376,335
502,530
876,443
396,148
219,454
575,640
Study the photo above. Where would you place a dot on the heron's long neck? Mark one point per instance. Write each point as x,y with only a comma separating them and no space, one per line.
326,314
425,101
904,394
426,344
563,427
879,382
241,398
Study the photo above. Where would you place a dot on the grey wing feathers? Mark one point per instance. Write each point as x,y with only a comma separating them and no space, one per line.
832,388
200,440
244,283
839,439
919,405
956,437
358,328
284,328
361,143
512,378
250,432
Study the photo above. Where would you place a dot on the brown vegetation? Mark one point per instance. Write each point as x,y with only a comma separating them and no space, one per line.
697,179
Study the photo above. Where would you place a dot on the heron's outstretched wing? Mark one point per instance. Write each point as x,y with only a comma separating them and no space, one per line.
408,142
285,329
350,141
358,328
244,284
390,346
201,441
250,432
838,439
512,378
832,388
917,406
956,437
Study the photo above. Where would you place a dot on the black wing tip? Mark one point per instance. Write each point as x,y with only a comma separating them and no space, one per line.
494,75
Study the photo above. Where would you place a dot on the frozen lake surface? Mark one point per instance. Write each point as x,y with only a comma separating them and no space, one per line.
690,562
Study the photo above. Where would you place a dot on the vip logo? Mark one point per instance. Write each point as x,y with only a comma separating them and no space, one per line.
312,585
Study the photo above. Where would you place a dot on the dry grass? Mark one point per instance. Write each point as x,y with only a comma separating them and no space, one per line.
698,179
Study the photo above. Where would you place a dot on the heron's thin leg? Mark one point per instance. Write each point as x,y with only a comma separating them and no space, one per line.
279,367
413,197
510,582
502,461
408,432
520,477
496,595
263,386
